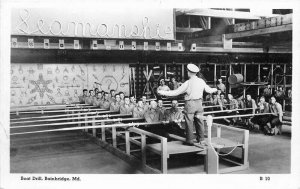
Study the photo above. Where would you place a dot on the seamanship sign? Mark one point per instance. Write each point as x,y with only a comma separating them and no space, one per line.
94,23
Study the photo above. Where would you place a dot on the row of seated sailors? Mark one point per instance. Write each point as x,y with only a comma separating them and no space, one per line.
128,105
221,102
153,112
267,123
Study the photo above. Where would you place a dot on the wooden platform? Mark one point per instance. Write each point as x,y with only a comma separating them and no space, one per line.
176,147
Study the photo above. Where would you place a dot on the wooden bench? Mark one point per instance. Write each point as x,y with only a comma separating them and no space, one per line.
212,151
165,149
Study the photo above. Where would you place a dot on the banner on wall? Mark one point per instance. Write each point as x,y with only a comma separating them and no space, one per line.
40,84
94,23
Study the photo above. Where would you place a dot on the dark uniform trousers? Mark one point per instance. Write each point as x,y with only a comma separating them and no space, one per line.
260,120
274,121
193,115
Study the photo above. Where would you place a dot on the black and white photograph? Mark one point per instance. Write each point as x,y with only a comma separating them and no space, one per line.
102,91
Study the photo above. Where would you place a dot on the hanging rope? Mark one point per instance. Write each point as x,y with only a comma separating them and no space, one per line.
228,152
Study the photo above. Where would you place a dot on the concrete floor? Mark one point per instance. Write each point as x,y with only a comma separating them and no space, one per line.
64,153
270,154
267,155
71,152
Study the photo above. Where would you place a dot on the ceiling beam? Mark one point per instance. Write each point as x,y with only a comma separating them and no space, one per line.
263,31
218,13
187,30
242,50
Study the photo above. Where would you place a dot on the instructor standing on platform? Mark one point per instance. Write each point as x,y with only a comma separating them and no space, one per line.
193,111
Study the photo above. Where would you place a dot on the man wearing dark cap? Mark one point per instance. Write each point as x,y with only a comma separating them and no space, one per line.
193,111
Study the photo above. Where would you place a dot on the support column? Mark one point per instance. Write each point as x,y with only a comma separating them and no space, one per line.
164,156
127,141
272,69
227,43
230,68
245,72
182,72
215,74
284,84
147,84
94,124
212,158
165,72
103,138
143,148
208,22
114,136
258,73
86,124
233,20
245,149
259,80
241,68
147,69
79,124
245,75
284,76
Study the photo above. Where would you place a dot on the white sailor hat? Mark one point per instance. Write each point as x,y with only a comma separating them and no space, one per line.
193,68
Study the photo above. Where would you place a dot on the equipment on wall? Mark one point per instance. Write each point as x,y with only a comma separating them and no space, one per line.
132,82
148,89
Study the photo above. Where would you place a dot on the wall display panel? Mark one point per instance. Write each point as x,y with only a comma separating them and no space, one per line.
107,22
39,84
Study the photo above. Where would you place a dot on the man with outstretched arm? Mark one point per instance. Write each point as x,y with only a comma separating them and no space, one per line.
193,110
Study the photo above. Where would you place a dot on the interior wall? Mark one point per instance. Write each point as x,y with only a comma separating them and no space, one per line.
39,84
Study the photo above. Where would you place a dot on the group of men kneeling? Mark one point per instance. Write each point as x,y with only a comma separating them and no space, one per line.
152,112
269,123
